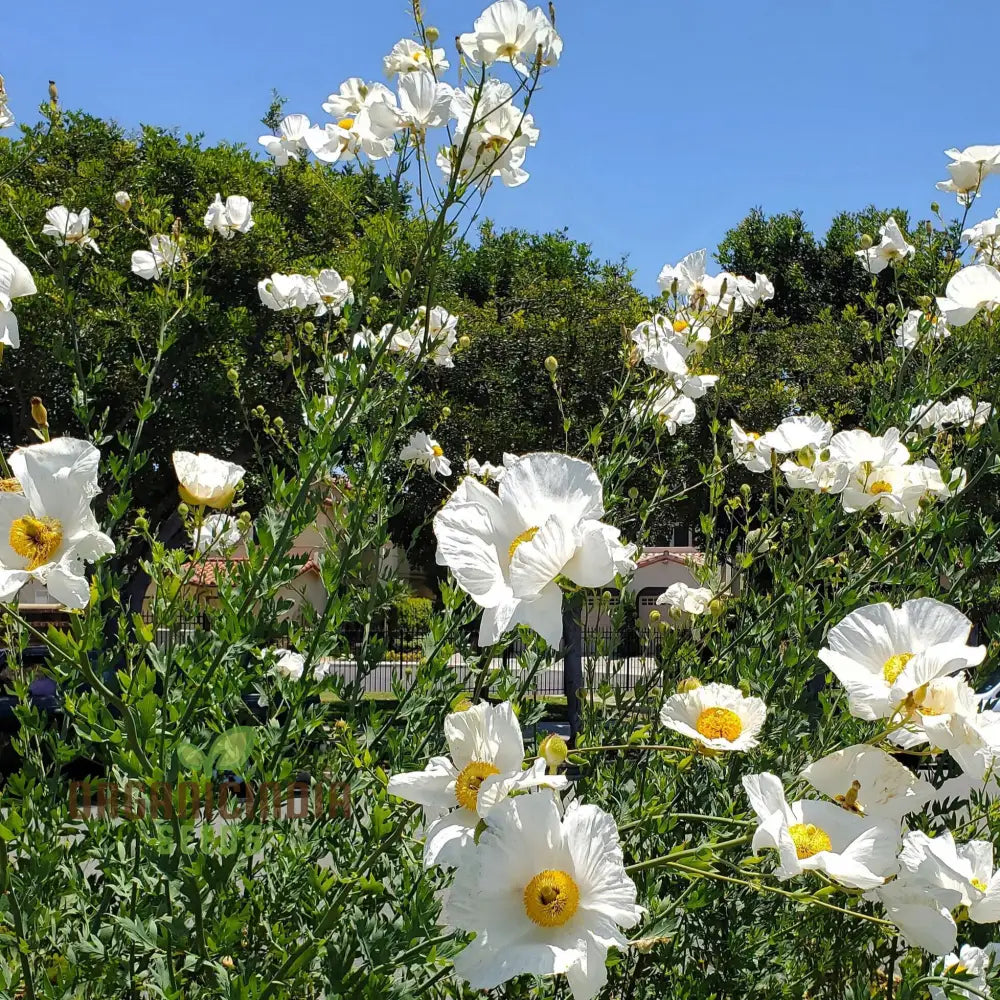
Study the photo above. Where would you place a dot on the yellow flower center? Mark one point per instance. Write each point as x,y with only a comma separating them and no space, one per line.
217,502
507,51
525,536
551,898
35,539
880,486
753,436
893,667
346,124
719,724
680,325
10,486
467,785
438,450
978,883
809,840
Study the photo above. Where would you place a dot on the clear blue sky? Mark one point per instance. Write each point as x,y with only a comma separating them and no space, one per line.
663,125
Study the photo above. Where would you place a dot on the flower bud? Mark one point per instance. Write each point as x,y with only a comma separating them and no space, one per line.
175,229
715,607
374,302
405,276
431,34
228,963
553,748
349,278
654,616
38,412
551,364
865,242
183,509
309,326
233,375
279,422
935,207
688,684
925,302
445,412
464,341
123,200
141,523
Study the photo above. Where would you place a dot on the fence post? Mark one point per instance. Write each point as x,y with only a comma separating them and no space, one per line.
572,664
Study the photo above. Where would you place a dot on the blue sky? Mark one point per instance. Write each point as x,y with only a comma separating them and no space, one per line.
663,125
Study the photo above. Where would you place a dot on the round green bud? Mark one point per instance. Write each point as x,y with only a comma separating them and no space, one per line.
183,509
554,749
935,207
464,341
688,684
431,34
279,422
309,327
141,523
654,616
551,364
865,242
445,412
233,375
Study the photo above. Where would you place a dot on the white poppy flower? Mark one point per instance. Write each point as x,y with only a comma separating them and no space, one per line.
424,102
15,282
485,766
290,142
970,961
985,237
69,229
163,255
349,99
820,476
685,602
718,716
507,31
937,416
205,481
408,56
370,130
917,326
968,291
798,434
870,782
701,289
881,654
754,292
6,115
434,332
332,291
288,663
485,470
217,533
230,217
498,136
922,913
507,549
423,450
661,346
47,530
747,449
672,408
938,862
938,708
892,247
288,291
811,835
543,894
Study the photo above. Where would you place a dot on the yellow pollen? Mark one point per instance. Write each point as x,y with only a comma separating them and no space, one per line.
469,780
880,486
719,724
893,667
507,51
35,539
978,883
680,325
525,536
551,898
438,450
10,486
346,124
753,436
809,840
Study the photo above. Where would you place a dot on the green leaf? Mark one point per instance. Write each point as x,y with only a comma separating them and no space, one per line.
191,757
232,748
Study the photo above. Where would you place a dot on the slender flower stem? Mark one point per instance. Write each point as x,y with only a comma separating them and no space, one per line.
690,852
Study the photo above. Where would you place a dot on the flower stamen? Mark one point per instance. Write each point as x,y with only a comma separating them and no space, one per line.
35,539
809,840
551,898
719,723
468,782
525,536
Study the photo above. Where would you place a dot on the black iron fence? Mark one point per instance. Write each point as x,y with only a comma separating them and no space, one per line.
382,659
